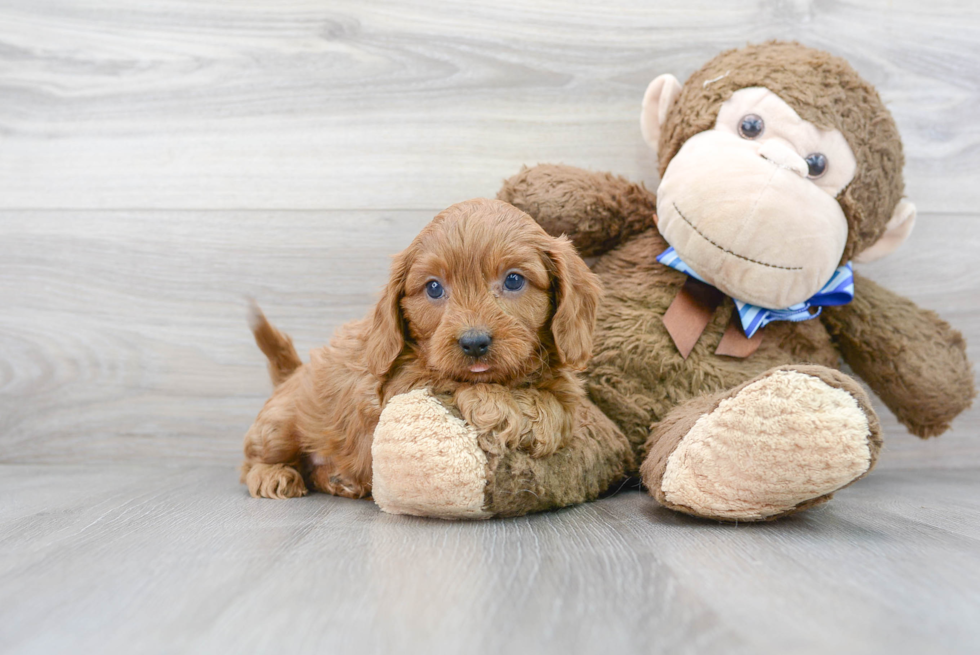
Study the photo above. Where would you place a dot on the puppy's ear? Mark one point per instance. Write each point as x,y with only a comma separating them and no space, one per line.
387,337
577,293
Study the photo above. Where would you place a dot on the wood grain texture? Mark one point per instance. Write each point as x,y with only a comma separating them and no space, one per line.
151,559
162,160
123,335
301,104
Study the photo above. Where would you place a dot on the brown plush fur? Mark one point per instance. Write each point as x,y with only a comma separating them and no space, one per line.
596,211
911,358
637,375
595,456
824,90
319,422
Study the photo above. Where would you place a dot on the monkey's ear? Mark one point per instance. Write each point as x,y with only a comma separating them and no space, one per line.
657,101
897,231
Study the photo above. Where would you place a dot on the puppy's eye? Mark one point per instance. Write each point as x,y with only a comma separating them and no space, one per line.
751,126
434,290
817,164
514,282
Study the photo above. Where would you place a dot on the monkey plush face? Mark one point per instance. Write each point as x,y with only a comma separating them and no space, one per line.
770,231
778,164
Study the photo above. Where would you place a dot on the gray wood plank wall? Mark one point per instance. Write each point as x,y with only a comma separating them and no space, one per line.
160,161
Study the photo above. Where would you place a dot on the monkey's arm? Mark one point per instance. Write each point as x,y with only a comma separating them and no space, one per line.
910,357
597,211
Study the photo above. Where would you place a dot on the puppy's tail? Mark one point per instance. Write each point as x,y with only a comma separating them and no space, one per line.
278,347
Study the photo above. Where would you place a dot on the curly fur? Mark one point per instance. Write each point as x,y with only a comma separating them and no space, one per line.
316,429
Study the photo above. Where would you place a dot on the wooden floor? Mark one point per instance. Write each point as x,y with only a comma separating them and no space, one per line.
163,160
147,559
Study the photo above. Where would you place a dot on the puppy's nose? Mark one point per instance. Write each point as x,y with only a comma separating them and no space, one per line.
475,343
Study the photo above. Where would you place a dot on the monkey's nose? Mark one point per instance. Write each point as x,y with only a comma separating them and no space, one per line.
475,343
783,156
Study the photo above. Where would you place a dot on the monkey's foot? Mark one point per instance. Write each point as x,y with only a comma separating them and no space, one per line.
776,445
427,462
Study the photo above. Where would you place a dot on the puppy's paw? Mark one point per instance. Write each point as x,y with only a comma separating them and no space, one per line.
427,462
506,419
273,481
548,425
492,411
326,478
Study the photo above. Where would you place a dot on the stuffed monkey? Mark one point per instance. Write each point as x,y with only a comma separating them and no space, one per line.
730,303
730,300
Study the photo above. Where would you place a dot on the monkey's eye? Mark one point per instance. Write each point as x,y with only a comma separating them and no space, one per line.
751,126
514,282
817,164
434,290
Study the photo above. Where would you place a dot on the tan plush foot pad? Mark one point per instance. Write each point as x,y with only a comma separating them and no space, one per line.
426,461
779,442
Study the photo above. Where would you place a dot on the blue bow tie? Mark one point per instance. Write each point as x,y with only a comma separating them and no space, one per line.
838,291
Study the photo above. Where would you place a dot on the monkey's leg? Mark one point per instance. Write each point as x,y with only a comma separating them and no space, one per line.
428,462
778,444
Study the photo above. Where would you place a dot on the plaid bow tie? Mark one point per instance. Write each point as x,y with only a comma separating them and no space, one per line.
838,291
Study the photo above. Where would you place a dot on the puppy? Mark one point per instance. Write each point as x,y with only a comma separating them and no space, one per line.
484,309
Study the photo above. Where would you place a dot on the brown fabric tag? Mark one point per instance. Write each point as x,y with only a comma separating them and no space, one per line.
734,343
690,313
